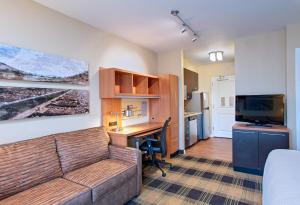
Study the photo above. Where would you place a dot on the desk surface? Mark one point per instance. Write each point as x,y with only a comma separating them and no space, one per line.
120,138
137,129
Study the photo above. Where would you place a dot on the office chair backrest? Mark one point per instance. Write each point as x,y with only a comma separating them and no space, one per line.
163,138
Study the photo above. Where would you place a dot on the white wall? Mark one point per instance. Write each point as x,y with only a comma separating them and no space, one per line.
297,77
272,56
29,25
260,63
172,63
292,42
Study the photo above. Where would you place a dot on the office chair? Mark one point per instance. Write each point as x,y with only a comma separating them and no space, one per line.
156,143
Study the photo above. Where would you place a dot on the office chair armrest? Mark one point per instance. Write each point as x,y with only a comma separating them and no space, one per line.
130,155
152,139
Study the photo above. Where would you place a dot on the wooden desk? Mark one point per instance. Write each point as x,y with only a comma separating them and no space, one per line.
121,137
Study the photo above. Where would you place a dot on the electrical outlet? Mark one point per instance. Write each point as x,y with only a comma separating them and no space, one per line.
114,123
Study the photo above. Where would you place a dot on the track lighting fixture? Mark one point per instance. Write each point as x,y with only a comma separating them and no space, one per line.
195,38
183,30
185,27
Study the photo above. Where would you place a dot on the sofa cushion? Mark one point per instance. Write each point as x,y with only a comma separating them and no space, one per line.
26,164
104,176
57,191
81,148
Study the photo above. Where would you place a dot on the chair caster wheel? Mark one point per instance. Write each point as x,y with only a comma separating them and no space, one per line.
164,174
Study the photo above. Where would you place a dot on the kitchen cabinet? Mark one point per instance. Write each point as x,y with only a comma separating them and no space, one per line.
245,149
200,127
186,131
191,82
269,141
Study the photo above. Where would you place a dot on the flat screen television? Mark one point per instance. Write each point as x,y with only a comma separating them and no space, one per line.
260,109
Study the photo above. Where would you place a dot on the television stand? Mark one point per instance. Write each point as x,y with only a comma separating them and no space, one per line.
259,125
252,145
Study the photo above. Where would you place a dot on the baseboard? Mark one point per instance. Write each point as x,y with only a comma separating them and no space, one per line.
248,170
177,153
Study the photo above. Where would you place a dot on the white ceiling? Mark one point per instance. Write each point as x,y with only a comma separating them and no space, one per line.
149,23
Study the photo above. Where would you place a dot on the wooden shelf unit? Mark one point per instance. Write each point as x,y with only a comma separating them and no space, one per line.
117,83
162,92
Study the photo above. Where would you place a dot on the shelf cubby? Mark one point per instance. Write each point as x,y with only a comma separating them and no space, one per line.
123,83
153,86
140,84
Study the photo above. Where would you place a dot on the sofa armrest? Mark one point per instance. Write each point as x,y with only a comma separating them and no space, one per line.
130,155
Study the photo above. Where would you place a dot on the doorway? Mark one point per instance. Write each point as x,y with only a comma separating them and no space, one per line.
223,105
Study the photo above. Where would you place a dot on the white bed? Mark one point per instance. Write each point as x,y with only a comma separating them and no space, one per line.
281,179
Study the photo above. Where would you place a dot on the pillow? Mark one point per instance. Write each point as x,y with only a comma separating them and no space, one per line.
26,164
81,148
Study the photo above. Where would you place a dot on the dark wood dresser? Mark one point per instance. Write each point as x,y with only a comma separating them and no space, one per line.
251,146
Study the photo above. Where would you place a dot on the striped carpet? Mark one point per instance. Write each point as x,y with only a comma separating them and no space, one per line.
199,181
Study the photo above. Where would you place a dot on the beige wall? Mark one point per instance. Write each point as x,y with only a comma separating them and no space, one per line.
260,63
189,64
207,72
29,25
172,63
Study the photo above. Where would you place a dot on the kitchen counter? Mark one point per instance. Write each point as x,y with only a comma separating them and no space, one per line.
189,114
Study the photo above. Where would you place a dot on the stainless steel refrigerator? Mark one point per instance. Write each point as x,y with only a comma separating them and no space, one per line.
200,103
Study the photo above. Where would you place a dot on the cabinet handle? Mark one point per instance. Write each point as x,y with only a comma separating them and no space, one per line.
272,134
245,132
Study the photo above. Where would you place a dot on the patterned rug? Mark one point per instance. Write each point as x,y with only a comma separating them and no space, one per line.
199,181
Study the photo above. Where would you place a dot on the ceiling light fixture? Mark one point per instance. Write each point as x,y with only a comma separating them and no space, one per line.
219,56
216,56
185,25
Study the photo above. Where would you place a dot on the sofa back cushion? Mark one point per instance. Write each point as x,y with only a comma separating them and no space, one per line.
81,148
26,164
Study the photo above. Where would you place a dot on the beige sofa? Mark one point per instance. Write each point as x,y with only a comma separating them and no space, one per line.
70,168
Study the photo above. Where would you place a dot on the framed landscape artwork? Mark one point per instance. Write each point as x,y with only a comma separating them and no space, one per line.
29,65
21,102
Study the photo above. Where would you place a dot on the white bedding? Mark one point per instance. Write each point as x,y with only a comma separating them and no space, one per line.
281,179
